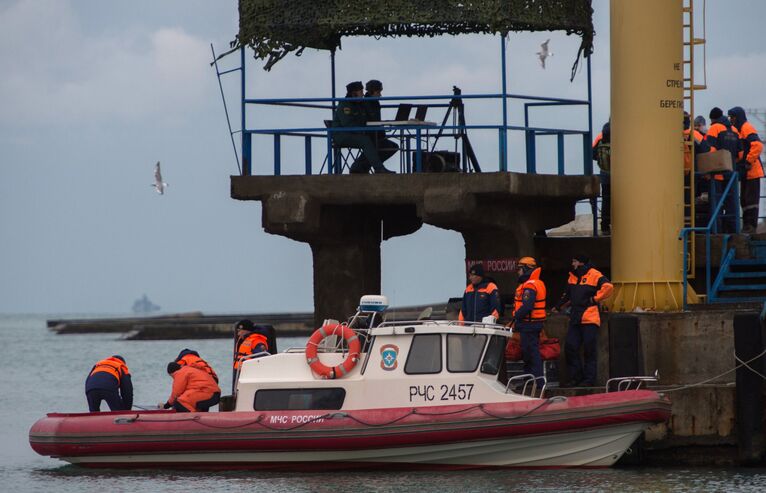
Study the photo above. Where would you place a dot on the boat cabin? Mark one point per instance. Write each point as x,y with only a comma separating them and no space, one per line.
399,364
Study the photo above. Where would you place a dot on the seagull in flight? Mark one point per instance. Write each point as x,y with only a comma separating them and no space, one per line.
158,184
544,52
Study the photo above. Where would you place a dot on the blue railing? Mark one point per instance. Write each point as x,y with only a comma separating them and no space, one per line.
712,227
417,132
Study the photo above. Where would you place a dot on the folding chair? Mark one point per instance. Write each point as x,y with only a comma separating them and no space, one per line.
342,157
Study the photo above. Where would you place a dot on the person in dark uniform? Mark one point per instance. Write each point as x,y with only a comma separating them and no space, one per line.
586,289
353,114
602,146
529,313
481,297
109,380
385,147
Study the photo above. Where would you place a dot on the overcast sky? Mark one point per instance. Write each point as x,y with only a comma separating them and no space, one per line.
93,93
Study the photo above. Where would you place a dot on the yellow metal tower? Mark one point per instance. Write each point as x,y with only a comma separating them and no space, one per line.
647,104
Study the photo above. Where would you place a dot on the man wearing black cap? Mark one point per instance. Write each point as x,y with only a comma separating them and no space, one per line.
722,135
586,289
353,114
481,297
385,147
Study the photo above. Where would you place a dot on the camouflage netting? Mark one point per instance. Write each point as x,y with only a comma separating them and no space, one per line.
274,28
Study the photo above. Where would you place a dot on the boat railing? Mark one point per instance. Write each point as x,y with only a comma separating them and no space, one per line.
622,384
319,350
528,384
448,323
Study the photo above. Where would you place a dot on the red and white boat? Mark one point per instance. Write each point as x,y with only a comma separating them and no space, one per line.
424,394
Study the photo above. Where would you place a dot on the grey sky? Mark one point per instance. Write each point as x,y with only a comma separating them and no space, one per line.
93,93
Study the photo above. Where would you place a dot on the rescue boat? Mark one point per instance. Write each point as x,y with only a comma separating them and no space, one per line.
421,394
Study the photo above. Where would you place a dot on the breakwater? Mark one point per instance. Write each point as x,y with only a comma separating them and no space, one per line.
196,325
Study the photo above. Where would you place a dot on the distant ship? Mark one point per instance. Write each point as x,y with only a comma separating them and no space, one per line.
144,305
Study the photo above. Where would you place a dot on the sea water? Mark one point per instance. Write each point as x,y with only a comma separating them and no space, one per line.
42,372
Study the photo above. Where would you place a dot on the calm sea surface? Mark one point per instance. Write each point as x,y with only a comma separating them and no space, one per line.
41,372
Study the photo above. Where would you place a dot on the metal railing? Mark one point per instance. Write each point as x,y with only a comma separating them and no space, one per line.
711,228
419,133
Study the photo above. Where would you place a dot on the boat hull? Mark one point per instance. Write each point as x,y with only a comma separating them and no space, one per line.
588,431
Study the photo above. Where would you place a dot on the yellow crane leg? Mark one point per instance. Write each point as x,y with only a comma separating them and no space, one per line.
647,154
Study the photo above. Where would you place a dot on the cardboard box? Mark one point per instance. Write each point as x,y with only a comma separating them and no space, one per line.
709,162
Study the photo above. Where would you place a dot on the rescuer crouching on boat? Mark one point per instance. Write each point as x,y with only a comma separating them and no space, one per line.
194,390
192,358
109,380
529,314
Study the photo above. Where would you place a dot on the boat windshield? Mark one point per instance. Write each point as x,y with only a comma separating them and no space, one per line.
464,352
495,355
425,355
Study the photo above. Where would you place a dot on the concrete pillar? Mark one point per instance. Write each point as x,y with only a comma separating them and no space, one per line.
344,270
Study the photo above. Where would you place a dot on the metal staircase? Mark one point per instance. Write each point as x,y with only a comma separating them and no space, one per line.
741,279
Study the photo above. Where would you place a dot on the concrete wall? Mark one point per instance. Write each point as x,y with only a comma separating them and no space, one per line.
686,348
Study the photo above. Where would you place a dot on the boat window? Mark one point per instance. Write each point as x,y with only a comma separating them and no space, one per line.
464,351
298,399
495,355
425,355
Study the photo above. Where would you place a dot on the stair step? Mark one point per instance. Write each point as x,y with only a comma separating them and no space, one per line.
744,275
755,262
743,287
739,300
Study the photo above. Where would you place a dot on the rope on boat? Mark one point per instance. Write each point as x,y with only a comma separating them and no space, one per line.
549,400
341,415
412,412
746,364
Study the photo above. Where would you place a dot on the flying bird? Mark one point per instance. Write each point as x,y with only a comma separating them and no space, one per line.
544,52
158,184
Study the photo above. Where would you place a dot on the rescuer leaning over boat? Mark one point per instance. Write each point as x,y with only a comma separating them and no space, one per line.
586,289
193,389
109,380
481,297
529,314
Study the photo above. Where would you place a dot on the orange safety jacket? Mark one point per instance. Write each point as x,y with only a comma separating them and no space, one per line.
247,347
197,362
753,147
534,284
192,385
113,366
597,139
585,293
712,138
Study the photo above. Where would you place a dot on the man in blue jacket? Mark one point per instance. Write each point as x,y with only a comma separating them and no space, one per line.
481,297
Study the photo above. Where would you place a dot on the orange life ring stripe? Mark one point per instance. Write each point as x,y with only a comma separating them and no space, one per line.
348,364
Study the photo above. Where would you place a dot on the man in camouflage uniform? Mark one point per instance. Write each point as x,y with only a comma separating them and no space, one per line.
353,114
